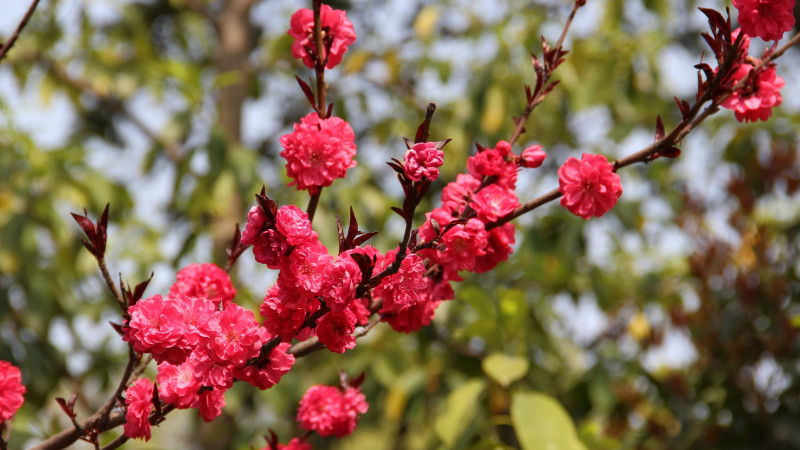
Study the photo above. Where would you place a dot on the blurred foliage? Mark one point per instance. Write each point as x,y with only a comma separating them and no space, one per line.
669,323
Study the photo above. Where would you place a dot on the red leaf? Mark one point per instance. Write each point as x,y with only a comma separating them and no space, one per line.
306,90
659,129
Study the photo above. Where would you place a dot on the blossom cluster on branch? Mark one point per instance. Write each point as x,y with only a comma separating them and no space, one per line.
203,340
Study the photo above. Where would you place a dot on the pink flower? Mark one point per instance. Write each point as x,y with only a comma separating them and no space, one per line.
590,186
204,281
237,336
335,330
500,240
456,195
338,34
177,384
293,223
532,157
767,19
308,263
194,314
269,246
11,390
755,100
318,152
423,161
281,320
413,318
331,412
339,285
278,364
498,163
210,403
402,290
494,202
463,243
156,327
209,372
139,401
295,444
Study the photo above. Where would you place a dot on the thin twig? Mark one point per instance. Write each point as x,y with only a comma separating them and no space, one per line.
10,42
540,96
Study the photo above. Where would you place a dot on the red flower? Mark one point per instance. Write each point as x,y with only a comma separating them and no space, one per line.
590,186
139,399
177,384
156,326
338,33
756,100
457,194
335,330
767,19
499,247
282,320
423,161
210,403
415,317
494,202
294,225
237,336
204,281
279,363
318,151
331,412
496,162
11,390
532,157
339,285
402,290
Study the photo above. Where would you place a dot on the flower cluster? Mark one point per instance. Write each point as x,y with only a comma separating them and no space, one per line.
590,187
201,349
338,34
767,19
11,390
318,151
331,411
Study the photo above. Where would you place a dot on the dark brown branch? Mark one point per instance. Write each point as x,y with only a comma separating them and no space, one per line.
10,42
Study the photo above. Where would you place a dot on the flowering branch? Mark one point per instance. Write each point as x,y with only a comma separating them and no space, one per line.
716,93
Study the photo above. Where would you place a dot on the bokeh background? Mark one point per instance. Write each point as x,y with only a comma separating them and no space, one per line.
671,322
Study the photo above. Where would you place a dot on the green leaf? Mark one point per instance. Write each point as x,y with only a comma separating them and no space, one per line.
505,369
458,411
541,423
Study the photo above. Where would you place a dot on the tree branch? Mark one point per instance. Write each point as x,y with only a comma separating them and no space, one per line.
10,42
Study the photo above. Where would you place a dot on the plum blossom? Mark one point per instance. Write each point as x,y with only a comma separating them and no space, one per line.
423,161
139,401
204,281
767,19
177,384
335,330
331,412
318,151
338,31
264,377
590,187
11,390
